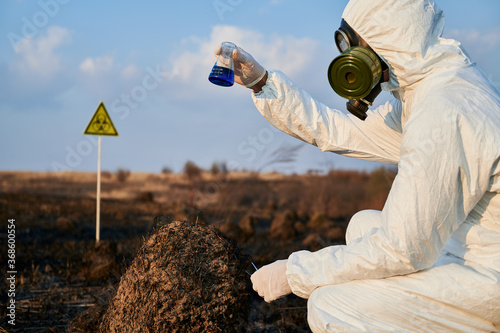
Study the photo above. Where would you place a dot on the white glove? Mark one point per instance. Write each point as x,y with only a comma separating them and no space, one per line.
247,71
271,282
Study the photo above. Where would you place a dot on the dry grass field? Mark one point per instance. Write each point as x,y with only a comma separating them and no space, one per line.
62,273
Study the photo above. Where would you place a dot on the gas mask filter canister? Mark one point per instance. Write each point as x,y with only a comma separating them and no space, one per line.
355,74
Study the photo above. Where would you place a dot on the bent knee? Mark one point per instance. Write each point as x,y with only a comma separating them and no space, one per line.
327,312
352,307
316,311
361,222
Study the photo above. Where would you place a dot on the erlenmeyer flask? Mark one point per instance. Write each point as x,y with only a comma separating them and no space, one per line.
222,73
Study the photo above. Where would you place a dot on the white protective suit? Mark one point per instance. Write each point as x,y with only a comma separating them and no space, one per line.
430,260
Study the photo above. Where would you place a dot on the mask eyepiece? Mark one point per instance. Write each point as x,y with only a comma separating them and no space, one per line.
342,41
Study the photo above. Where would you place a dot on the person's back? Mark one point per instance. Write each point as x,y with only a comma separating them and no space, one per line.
473,109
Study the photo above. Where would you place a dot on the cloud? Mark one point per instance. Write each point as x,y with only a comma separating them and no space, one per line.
40,74
96,65
130,72
290,54
477,42
37,57
483,46
38,71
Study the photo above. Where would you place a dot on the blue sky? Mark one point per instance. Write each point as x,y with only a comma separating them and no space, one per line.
148,61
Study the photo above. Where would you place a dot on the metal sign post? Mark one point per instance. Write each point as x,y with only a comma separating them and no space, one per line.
100,124
98,209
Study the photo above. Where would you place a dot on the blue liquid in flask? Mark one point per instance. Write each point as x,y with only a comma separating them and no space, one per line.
221,76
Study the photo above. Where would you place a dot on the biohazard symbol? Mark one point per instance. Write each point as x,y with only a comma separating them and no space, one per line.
101,123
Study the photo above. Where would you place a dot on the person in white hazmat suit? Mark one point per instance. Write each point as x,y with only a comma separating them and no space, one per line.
430,260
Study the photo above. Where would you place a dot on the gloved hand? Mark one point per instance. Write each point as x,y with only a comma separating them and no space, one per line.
271,282
247,71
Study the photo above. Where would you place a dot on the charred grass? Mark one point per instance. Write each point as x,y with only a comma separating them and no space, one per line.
64,276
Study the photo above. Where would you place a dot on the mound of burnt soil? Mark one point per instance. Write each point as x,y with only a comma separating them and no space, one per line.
185,278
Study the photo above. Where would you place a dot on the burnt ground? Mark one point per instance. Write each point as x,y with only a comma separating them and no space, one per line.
62,272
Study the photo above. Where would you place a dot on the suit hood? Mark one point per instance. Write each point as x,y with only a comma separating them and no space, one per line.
407,35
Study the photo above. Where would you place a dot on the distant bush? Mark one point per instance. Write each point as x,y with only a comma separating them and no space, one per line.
122,175
65,224
166,170
191,170
145,197
379,185
380,181
282,226
218,168
106,175
336,196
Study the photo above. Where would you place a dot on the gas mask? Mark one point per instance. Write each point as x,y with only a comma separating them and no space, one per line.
357,72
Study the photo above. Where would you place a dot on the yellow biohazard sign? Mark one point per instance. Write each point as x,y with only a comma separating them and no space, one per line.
101,123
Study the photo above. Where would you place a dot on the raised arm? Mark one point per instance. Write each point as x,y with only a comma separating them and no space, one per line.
295,112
